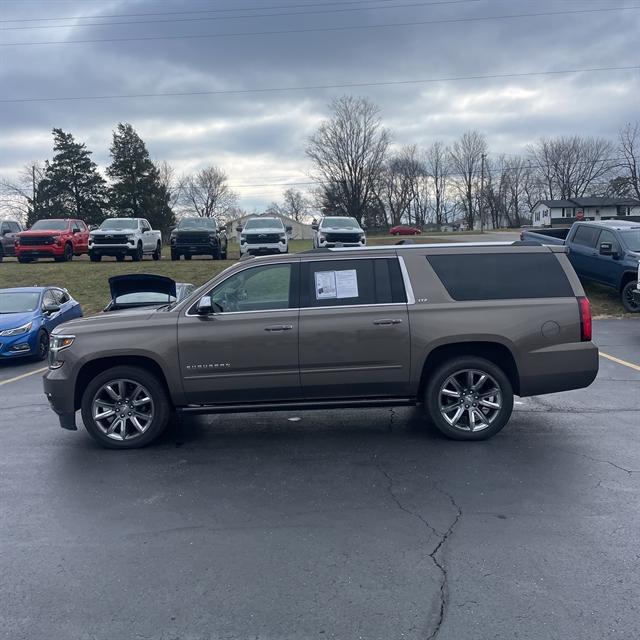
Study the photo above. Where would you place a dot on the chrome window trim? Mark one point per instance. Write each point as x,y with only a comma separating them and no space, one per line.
408,288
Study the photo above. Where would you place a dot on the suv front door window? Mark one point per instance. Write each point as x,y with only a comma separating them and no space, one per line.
247,350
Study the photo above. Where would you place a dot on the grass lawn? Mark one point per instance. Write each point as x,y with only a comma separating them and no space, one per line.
88,282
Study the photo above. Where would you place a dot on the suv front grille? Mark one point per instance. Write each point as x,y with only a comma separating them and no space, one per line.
110,239
263,238
193,237
32,241
343,237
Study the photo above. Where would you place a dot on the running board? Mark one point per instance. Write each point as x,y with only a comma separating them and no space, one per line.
352,403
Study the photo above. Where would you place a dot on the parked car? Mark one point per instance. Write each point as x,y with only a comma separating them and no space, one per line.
121,237
28,315
57,238
607,252
136,290
8,230
199,237
404,230
263,235
459,328
338,231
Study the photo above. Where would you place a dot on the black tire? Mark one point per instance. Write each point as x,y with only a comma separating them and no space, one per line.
462,364
43,345
187,256
120,257
1,253
157,393
24,260
95,257
136,256
216,254
67,256
175,256
627,297
224,253
157,254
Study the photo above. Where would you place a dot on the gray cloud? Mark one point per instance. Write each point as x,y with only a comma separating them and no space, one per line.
261,136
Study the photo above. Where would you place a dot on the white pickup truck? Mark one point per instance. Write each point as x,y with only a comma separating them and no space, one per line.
122,237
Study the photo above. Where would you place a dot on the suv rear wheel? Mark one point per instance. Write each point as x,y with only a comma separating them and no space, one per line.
469,398
125,408
628,302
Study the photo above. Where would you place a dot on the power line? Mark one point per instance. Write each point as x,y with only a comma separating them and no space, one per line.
209,11
351,85
414,23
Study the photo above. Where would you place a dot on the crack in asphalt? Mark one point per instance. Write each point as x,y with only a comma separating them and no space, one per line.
603,461
443,537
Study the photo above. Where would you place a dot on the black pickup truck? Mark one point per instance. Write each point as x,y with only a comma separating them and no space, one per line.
199,237
606,252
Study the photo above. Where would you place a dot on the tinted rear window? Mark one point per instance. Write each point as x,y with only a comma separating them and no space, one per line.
502,276
586,236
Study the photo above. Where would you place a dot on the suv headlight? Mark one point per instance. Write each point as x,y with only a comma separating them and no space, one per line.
18,331
92,237
57,344
283,237
130,237
243,238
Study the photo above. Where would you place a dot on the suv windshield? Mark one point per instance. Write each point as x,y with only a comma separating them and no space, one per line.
202,224
264,223
632,239
118,224
18,302
340,223
50,225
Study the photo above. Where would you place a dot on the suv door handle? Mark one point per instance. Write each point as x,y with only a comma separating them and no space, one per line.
388,321
279,327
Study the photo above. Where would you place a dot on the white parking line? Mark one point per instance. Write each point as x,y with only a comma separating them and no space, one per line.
624,363
24,375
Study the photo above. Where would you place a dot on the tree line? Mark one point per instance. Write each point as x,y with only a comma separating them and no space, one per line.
362,175
356,168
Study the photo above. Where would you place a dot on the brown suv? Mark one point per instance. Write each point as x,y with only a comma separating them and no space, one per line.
460,328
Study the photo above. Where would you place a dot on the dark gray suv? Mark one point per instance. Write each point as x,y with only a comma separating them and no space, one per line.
457,328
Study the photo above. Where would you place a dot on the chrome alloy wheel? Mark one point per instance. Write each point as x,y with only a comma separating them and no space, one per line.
470,400
122,409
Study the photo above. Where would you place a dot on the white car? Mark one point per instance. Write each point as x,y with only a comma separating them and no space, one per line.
338,231
122,237
262,235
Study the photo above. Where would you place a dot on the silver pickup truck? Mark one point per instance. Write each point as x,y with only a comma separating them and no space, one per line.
121,237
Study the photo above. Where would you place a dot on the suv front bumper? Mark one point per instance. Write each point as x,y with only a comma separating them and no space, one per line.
271,247
59,390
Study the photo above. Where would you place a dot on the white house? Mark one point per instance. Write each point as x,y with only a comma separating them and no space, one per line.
548,213
300,230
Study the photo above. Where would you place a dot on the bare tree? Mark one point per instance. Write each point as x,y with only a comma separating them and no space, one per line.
207,194
398,185
466,160
348,152
18,195
173,187
629,149
572,167
438,168
295,204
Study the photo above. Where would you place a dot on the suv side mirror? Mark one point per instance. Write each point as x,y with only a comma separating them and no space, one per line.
289,228
239,229
223,228
205,306
50,308
74,231
314,226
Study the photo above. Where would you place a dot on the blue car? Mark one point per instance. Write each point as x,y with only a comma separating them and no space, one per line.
28,315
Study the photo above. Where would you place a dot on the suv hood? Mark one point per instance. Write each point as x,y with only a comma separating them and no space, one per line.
262,231
43,232
324,229
141,283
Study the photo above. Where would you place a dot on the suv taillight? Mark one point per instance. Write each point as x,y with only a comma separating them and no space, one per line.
585,319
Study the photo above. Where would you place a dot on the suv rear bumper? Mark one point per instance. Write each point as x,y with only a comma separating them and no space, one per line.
559,368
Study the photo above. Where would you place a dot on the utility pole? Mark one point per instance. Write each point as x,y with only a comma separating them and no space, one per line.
33,188
484,157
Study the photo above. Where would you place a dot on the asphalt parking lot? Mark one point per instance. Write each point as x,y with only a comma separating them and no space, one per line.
344,524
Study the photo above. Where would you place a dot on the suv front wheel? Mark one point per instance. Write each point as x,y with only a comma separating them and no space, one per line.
469,398
125,408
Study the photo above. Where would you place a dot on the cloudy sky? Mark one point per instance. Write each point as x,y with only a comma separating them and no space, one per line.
234,47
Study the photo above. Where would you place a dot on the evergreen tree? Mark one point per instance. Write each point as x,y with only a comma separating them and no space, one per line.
137,190
71,185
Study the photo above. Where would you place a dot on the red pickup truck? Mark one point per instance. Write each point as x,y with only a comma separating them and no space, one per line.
57,238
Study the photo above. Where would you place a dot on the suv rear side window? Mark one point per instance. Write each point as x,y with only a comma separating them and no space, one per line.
586,236
502,276
330,283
